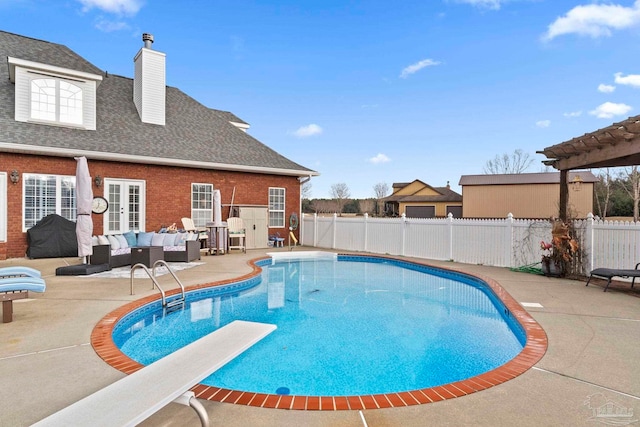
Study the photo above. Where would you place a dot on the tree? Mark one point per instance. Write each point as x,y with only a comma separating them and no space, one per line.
305,190
380,190
517,162
603,190
632,187
340,193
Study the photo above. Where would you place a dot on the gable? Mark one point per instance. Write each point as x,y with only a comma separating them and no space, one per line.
193,136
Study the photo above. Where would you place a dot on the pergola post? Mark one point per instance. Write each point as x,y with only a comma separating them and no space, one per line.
564,195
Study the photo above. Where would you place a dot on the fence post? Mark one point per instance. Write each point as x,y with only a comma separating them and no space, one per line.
366,230
450,231
404,231
510,245
588,243
315,229
335,220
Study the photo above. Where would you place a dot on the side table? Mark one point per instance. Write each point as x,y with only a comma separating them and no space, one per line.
146,255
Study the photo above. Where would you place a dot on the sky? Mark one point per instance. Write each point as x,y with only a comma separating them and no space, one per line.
370,92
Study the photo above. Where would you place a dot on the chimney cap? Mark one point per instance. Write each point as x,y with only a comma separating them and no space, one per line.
147,39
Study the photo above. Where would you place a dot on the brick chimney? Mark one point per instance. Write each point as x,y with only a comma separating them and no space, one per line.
149,83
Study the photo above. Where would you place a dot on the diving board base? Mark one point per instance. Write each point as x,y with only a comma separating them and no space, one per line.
136,397
7,303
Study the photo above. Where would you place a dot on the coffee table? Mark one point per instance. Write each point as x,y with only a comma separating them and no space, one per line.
146,255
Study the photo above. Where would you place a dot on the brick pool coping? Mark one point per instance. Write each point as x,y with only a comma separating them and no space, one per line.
535,347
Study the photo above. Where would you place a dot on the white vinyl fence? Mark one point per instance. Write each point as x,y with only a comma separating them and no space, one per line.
505,242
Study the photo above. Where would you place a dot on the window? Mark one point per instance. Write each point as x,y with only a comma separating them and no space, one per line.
201,204
48,194
276,207
56,100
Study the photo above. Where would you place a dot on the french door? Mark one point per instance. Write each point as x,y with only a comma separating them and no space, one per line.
126,206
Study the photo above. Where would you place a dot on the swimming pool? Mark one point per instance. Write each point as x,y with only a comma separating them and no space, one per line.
386,362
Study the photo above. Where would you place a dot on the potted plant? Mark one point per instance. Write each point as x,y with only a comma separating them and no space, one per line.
557,254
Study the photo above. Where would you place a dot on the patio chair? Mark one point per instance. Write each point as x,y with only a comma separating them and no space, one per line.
190,227
610,273
236,231
15,282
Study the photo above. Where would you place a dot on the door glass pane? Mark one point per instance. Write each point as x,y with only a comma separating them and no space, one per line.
134,207
113,196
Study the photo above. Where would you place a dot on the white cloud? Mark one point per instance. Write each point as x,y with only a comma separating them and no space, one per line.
121,7
629,79
110,26
606,88
379,158
573,114
307,131
609,110
414,68
594,20
484,4
543,123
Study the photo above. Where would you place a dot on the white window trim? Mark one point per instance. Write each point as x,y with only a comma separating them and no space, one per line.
209,211
3,206
284,208
58,207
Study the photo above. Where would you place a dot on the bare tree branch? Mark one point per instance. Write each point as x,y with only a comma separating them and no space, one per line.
517,162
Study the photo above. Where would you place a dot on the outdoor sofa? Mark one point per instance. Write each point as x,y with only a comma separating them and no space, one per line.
115,250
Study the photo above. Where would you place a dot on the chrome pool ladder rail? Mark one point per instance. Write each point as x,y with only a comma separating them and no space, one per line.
152,275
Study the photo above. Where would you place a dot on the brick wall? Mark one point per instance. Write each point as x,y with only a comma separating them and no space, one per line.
168,191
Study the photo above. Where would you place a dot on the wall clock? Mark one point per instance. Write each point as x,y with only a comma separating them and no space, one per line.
99,205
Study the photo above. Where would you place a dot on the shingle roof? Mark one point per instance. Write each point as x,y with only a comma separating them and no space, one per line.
524,178
193,135
446,195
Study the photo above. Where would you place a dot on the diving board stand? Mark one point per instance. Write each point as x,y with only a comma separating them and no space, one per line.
136,397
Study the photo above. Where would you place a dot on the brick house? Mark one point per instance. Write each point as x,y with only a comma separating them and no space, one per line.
154,153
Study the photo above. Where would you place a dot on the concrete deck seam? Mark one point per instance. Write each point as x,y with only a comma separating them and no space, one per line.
44,351
364,421
587,382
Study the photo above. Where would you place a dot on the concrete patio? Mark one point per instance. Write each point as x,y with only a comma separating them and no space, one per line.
593,359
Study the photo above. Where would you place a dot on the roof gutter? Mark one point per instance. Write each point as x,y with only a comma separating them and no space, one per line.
112,157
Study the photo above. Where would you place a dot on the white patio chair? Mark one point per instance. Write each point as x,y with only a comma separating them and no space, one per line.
236,231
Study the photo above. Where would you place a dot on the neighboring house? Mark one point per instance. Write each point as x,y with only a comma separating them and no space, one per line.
154,152
419,200
526,195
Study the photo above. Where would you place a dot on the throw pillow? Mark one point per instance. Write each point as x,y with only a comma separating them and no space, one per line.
181,239
94,241
169,239
144,239
123,242
157,239
115,245
131,238
102,240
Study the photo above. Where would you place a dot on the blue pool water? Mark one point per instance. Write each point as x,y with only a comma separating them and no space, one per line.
359,325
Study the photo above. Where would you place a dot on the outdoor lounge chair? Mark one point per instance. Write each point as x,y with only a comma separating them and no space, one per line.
190,227
609,273
15,282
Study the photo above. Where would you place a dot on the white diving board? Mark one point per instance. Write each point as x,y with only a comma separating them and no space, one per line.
131,400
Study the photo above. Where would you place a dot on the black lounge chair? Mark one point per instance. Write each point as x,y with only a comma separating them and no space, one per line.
609,273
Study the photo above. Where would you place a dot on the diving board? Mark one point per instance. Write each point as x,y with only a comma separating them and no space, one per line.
133,399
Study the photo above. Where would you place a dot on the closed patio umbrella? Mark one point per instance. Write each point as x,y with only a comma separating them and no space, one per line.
84,198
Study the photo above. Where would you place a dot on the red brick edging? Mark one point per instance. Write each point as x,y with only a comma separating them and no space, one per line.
534,349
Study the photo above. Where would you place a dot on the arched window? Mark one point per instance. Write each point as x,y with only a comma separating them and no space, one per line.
56,100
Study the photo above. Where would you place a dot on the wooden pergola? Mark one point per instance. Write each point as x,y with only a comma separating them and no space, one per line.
612,146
